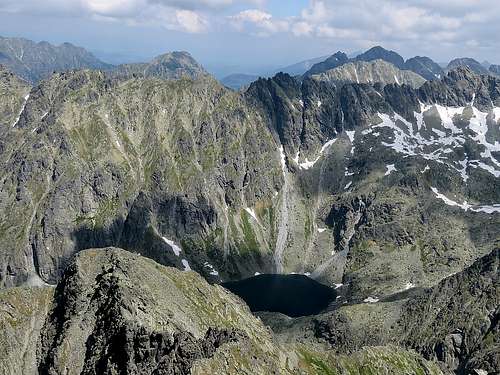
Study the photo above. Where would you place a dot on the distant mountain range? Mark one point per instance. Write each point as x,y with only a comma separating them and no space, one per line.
423,66
238,81
35,61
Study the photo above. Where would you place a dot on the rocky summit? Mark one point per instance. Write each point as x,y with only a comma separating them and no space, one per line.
131,195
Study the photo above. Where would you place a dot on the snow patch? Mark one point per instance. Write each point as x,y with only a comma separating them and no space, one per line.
22,110
447,114
251,212
321,230
282,158
496,114
371,300
309,164
348,185
326,145
427,168
410,143
409,286
186,265
347,173
319,103
175,248
256,274
350,134
396,79
213,272
390,168
489,209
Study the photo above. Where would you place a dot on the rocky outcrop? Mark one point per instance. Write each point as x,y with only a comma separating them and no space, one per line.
454,323
457,321
23,311
138,318
117,312
460,88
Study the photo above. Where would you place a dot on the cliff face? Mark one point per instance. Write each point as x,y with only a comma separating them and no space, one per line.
148,164
360,184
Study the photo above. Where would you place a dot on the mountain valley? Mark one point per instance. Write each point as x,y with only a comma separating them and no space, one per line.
130,195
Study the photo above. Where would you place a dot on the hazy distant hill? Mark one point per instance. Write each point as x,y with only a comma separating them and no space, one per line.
35,61
237,81
301,67
172,65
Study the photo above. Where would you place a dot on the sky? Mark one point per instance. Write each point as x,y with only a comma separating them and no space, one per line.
255,36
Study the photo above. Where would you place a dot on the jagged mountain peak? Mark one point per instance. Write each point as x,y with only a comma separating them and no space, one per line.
372,72
379,52
170,65
473,64
425,67
337,59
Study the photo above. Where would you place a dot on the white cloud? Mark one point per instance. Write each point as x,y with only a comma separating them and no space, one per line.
191,21
193,16
411,25
260,22
302,28
460,26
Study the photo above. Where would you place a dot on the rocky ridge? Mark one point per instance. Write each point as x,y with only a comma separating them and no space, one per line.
118,312
423,66
375,71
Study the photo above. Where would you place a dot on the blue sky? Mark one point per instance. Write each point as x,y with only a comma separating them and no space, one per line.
257,35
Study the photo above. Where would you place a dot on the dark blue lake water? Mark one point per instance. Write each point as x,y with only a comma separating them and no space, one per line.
292,295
